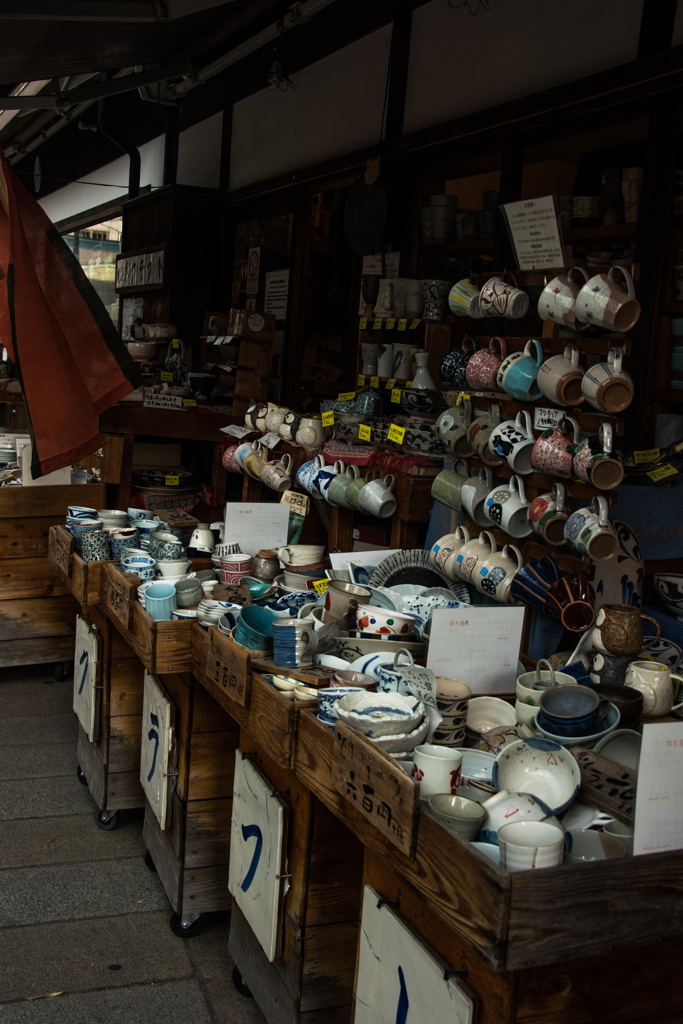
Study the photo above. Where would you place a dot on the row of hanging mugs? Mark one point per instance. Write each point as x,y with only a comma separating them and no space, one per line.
342,485
558,451
526,377
598,301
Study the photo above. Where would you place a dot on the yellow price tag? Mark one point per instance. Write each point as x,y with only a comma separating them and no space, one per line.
408,384
402,324
663,471
374,382
188,402
396,395
414,324
396,433
364,432
391,323
363,323
649,455
391,383
361,380
328,419
346,396
462,397
377,326
172,481
175,343
165,375
320,586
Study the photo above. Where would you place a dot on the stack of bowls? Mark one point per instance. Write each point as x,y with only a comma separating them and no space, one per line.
209,611
113,519
293,641
78,526
570,710
394,722
452,702
255,629
141,565
230,617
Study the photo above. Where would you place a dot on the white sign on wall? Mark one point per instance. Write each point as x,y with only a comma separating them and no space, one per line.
86,675
257,853
400,979
157,748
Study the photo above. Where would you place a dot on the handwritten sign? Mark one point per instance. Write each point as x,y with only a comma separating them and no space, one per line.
361,380
256,525
659,803
236,431
649,455
270,440
364,432
373,783
172,402
189,403
460,636
363,323
609,786
172,480
328,418
535,233
61,546
547,417
228,666
117,595
166,376
391,323
377,325
390,384
297,502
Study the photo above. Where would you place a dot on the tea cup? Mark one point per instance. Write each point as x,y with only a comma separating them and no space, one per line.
435,295
458,539
355,487
655,682
557,302
336,492
447,486
473,494
277,475
530,844
606,386
602,302
463,299
301,554
548,516
559,378
341,602
464,562
590,532
437,769
165,545
482,366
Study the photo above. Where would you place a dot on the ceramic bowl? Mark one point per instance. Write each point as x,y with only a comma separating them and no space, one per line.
477,766
530,695
484,713
500,808
382,621
171,567
541,767
385,714
352,648
626,698
327,701
583,845
489,851
669,587
457,813
608,725
569,710
622,746
346,678
370,664
184,613
403,744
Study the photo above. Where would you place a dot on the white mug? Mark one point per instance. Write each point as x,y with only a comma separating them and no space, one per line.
513,440
471,554
494,575
559,378
655,682
376,498
437,769
508,508
603,303
530,844
301,554
473,495
557,302
606,386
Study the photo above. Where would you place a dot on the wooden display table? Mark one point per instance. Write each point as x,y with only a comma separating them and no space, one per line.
37,613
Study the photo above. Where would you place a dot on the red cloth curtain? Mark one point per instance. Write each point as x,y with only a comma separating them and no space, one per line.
69,357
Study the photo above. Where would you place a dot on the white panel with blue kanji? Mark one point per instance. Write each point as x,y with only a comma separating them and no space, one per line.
157,748
401,980
86,676
257,845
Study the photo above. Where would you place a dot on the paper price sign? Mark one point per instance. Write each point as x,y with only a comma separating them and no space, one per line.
172,481
396,433
270,440
328,419
462,397
390,384
663,471
396,396
391,323
346,396
175,343
414,324
377,326
189,402
320,586
361,380
364,432
649,455
165,375
402,324
544,418
374,382
363,323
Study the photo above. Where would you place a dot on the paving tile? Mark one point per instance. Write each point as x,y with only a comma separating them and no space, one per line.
175,1002
38,694
74,956
44,798
68,839
34,762
67,892
213,965
35,730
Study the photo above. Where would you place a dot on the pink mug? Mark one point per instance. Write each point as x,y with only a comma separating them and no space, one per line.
553,452
483,365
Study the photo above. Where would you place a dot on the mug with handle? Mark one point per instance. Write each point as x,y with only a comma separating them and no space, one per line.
453,367
548,515
557,303
559,378
447,486
507,507
513,441
457,540
606,386
518,372
602,302
553,451
496,573
590,532
336,492
596,463
483,365
473,495
471,554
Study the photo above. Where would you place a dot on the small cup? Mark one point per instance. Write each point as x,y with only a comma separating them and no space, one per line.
458,813
606,386
463,299
553,451
530,844
590,532
437,769
548,516
160,601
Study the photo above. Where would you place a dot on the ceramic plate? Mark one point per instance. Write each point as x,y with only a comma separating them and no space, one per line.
370,664
414,567
622,746
664,651
620,579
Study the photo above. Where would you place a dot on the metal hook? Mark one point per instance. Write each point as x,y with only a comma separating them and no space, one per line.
389,903
454,971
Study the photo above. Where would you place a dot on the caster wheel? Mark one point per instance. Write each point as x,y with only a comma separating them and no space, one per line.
80,775
187,931
240,984
105,820
149,862
62,670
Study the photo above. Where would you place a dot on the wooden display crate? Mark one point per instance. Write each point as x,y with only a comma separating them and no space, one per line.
270,717
513,920
82,579
160,646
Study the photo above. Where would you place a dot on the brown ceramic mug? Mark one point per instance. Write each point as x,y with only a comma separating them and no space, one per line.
570,599
621,630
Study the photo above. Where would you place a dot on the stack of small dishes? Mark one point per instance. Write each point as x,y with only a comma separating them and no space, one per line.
395,723
209,611
230,617
113,519
141,591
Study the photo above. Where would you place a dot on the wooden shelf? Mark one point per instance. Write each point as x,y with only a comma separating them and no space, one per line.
619,231
671,395
446,248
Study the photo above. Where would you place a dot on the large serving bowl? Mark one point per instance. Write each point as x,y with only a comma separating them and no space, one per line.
380,714
542,767
670,591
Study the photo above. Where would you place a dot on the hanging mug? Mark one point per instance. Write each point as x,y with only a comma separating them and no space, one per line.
602,302
553,451
496,573
473,494
513,441
500,296
483,365
447,486
508,508
596,463
463,299
454,364
471,554
460,537
548,516
557,303
590,532
559,378
518,372
606,386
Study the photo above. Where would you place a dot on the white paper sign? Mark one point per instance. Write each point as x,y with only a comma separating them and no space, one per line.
163,402
254,525
477,645
85,678
256,853
535,233
544,418
659,796
236,430
270,439
401,980
277,287
156,750
131,310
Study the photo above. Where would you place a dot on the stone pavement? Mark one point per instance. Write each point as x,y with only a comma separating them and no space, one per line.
84,924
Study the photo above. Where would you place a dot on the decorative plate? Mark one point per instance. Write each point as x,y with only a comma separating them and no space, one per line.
414,567
620,579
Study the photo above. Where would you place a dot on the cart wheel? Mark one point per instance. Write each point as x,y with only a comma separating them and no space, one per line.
105,820
240,984
149,862
186,926
80,774
62,670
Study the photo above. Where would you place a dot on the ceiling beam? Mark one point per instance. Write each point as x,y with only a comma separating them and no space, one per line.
99,90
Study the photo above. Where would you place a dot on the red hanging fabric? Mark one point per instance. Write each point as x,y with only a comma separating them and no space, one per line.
68,354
